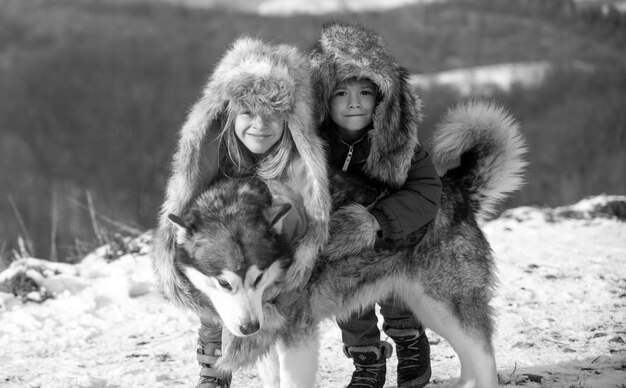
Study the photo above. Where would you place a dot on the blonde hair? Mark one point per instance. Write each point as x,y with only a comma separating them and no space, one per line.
274,164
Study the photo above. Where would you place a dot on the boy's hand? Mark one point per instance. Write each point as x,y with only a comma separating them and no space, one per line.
352,229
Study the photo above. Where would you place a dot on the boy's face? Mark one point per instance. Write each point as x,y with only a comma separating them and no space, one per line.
352,104
258,133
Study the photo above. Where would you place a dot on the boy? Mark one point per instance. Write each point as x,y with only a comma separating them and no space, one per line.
369,118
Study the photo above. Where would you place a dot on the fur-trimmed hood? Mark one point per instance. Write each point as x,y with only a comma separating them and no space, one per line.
263,78
260,77
346,50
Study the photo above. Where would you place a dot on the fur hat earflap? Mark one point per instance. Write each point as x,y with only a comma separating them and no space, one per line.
346,50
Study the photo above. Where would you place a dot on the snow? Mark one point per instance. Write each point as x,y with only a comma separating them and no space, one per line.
561,309
322,7
285,8
483,80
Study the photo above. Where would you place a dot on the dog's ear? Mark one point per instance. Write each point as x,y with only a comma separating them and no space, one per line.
275,213
183,231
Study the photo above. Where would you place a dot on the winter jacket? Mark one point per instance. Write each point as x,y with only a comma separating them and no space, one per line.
390,153
261,77
405,211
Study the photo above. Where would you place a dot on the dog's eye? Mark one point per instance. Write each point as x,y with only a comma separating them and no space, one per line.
258,279
224,284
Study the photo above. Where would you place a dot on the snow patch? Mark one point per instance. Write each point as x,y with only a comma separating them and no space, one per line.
484,80
321,7
596,207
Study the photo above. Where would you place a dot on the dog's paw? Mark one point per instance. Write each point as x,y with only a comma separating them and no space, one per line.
352,229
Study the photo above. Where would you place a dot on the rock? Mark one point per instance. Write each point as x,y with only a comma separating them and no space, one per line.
534,378
138,289
523,345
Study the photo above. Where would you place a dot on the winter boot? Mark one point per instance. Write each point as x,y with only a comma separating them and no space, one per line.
413,353
370,363
209,376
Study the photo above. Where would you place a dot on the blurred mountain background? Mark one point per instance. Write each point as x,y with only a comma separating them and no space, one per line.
93,92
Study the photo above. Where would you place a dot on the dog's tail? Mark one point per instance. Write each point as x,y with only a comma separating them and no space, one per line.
479,149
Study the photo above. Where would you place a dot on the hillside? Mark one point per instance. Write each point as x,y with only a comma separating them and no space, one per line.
94,92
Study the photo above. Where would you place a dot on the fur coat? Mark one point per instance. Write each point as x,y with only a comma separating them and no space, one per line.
261,77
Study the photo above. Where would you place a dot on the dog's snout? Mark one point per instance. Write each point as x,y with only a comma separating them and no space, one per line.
250,327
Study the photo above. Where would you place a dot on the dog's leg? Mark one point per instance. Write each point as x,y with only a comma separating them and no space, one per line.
298,361
478,366
269,370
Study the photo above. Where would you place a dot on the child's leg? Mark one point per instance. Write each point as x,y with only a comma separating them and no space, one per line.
360,329
208,352
397,316
412,346
361,339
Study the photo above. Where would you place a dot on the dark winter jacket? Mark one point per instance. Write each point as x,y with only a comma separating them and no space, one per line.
405,211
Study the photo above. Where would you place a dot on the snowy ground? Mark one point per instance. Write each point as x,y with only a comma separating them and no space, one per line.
561,318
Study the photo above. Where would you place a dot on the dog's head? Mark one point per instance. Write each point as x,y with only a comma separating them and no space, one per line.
230,252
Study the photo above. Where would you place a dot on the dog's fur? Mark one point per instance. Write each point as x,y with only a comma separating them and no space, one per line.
446,279
230,253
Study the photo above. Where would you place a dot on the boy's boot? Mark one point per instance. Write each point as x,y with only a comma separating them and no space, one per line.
413,353
370,363
209,376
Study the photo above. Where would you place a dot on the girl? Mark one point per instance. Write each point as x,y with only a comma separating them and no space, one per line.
254,117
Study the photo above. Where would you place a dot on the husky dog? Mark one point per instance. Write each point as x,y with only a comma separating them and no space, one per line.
230,252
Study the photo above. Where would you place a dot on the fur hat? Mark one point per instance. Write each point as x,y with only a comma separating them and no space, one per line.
345,50
265,79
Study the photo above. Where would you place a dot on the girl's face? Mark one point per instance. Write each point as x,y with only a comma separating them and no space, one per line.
352,105
258,133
